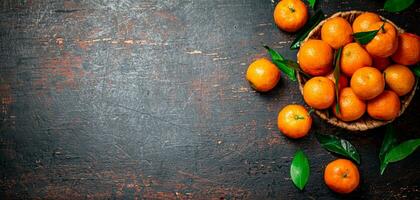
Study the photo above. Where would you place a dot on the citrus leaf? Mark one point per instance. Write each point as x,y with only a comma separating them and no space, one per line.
402,150
312,3
366,37
299,169
290,72
296,66
286,66
339,146
416,70
388,143
274,54
337,77
397,5
301,35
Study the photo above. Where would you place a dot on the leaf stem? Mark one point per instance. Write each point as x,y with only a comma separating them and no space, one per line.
337,78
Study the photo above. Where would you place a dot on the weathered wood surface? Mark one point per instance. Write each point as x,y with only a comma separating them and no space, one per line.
147,99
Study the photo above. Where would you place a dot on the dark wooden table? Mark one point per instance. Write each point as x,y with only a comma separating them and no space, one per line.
147,99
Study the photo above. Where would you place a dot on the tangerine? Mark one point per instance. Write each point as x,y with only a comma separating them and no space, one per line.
353,58
290,15
318,92
408,52
386,106
367,83
351,107
385,43
400,79
315,57
363,21
337,32
263,75
342,176
294,121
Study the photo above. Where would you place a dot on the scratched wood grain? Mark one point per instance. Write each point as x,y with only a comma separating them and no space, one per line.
146,99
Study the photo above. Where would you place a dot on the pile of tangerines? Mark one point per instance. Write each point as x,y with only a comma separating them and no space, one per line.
373,76
368,67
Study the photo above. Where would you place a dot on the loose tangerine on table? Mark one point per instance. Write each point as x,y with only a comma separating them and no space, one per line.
263,75
294,121
342,176
290,15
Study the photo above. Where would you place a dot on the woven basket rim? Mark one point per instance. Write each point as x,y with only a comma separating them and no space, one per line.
365,123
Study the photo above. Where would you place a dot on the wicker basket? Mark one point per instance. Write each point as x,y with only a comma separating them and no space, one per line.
365,122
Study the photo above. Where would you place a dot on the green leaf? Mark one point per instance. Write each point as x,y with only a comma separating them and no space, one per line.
338,146
299,169
290,72
301,35
274,54
312,3
416,70
397,5
288,67
295,66
388,143
337,77
402,150
366,37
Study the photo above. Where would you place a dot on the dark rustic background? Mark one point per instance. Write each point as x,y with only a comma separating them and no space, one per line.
147,99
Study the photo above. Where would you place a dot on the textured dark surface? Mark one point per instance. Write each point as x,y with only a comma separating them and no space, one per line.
147,99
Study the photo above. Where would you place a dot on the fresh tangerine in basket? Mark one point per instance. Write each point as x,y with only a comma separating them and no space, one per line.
319,92
385,43
337,32
385,107
367,83
350,106
363,21
315,57
408,52
400,79
353,58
